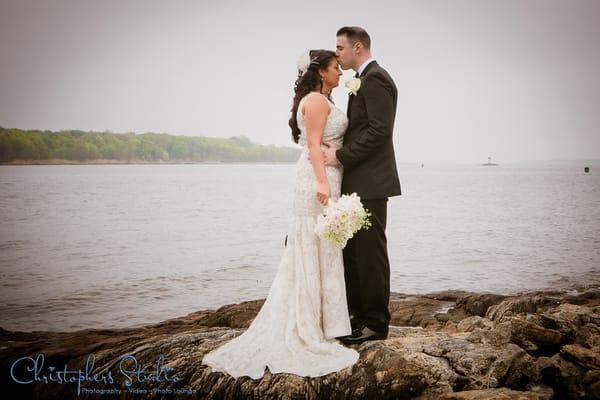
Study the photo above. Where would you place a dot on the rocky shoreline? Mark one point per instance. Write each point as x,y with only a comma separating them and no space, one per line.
444,345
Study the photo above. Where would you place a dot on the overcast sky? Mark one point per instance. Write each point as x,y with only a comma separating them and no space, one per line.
511,79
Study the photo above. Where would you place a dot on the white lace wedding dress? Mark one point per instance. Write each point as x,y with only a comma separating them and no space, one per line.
305,309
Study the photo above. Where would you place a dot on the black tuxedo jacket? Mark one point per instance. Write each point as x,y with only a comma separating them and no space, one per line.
367,153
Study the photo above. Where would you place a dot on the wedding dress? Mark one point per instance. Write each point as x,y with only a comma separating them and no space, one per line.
305,309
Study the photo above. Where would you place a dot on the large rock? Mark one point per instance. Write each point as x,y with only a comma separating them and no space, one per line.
537,393
451,345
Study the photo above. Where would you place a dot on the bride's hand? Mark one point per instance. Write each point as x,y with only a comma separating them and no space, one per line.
323,192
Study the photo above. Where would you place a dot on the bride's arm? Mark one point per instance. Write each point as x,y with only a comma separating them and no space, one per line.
316,110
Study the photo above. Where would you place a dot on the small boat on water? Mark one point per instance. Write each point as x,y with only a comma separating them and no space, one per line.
489,163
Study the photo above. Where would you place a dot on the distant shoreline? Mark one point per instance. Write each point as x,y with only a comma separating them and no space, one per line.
132,162
578,163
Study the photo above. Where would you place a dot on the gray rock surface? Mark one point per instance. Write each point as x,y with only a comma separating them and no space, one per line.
444,345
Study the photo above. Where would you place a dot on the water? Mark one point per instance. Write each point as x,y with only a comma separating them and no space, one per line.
104,246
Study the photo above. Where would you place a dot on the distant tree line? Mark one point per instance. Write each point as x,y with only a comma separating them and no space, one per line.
17,144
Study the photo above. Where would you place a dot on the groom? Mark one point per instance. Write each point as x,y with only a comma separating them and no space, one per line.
367,156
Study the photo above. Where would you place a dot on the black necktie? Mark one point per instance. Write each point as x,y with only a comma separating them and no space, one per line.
356,75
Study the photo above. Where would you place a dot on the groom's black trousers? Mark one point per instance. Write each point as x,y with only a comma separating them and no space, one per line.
367,270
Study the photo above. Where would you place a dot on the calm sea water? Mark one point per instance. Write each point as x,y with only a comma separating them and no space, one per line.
123,245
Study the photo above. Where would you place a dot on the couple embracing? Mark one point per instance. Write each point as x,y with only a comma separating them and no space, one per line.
324,300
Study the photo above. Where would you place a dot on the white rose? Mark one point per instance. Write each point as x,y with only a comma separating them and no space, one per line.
353,84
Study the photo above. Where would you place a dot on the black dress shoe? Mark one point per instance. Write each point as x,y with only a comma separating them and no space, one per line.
363,334
342,338
355,331
355,323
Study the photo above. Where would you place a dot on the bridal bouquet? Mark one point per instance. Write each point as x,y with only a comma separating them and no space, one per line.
342,219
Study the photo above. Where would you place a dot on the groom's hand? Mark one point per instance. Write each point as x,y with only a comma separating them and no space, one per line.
329,156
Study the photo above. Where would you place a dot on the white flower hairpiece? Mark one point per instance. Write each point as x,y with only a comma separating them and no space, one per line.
305,61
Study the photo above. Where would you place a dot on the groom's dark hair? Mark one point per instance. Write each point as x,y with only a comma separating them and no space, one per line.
356,34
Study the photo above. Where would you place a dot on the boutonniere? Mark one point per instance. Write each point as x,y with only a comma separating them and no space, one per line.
353,84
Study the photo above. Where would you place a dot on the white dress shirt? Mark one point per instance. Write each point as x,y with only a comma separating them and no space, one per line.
364,65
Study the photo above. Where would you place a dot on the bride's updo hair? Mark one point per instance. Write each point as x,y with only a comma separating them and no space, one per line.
309,81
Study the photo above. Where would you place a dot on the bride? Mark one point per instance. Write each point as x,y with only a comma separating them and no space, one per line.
305,310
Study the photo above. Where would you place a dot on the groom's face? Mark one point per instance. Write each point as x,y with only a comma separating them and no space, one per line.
345,53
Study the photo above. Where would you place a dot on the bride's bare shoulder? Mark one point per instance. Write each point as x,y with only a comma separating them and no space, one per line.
316,102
